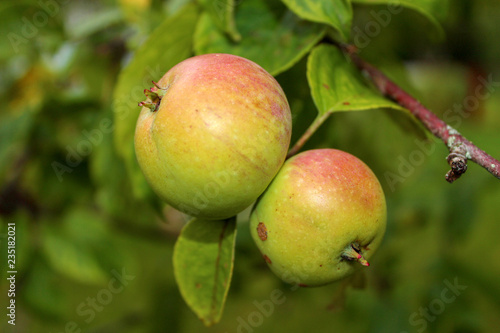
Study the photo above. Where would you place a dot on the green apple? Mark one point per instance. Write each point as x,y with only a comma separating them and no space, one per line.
322,216
212,134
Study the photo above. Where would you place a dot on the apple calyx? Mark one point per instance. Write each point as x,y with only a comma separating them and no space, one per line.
153,97
353,252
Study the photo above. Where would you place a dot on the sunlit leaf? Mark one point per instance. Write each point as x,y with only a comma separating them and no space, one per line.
336,13
336,85
203,265
276,45
94,22
134,9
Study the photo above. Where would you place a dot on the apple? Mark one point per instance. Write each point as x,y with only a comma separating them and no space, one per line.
322,216
212,134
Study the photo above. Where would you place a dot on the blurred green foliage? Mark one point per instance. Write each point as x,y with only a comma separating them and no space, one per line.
94,255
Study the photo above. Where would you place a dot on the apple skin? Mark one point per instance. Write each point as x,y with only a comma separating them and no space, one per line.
219,135
320,203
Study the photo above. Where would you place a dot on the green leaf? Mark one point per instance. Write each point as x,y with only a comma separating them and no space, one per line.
14,131
42,292
70,250
275,44
434,10
84,226
168,45
336,13
203,265
222,13
93,22
336,85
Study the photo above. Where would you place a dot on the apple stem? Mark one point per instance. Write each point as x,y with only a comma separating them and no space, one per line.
157,86
150,105
153,97
320,119
159,91
353,252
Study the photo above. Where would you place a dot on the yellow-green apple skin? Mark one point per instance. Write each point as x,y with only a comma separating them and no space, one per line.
321,204
218,136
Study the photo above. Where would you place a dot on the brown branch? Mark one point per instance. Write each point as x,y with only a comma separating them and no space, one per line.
460,148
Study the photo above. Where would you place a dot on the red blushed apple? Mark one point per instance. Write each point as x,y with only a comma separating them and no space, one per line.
322,216
212,134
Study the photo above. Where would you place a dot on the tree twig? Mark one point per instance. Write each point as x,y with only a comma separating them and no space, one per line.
459,147
320,119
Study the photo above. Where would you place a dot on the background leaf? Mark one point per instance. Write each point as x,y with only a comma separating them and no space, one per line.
278,43
434,10
336,84
203,265
42,285
75,248
95,22
14,130
69,259
336,13
168,45
222,13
